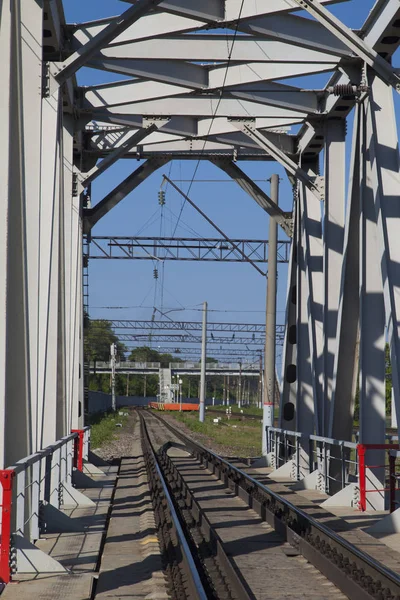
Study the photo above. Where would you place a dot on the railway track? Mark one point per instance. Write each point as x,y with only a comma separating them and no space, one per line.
225,563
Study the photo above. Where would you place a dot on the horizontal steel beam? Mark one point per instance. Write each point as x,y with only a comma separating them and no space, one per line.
191,339
193,249
168,325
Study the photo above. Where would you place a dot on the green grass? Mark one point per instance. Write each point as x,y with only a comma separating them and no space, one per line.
243,440
252,410
103,427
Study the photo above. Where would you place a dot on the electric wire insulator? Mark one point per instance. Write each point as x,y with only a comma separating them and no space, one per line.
347,89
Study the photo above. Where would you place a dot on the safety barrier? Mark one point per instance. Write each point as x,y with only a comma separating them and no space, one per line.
285,445
32,482
394,478
362,450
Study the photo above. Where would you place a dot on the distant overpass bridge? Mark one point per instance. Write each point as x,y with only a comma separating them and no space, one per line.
186,368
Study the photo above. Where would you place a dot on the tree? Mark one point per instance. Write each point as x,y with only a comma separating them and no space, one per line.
98,338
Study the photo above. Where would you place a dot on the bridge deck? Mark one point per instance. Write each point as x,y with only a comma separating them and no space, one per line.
76,549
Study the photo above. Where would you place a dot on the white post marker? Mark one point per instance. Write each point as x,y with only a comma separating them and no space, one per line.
203,365
270,324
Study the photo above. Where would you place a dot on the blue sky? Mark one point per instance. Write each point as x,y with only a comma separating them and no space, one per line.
236,291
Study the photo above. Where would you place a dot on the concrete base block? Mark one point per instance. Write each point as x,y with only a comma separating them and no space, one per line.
96,460
73,498
345,497
284,472
82,480
375,500
30,559
388,525
309,482
263,461
91,469
55,521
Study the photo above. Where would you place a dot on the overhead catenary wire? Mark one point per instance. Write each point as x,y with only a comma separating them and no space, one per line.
235,246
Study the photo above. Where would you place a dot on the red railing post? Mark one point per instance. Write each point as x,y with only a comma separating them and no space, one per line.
6,481
392,483
78,448
362,476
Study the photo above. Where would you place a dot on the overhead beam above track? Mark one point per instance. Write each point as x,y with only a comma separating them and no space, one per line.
183,249
168,325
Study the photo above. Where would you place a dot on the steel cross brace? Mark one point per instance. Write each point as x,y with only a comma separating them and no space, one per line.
352,41
311,182
117,26
148,127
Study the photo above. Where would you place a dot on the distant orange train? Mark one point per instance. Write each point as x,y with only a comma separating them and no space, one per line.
173,406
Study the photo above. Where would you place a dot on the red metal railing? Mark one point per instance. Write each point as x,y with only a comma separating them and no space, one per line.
6,481
78,448
7,477
362,470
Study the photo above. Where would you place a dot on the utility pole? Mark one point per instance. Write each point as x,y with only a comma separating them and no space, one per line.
113,352
240,386
203,365
270,322
260,384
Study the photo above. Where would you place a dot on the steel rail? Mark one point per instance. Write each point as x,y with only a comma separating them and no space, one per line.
194,583
296,518
183,493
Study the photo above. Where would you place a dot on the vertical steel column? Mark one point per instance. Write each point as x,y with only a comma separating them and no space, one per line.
5,74
270,322
203,365
335,135
346,360
288,398
384,175
372,321
18,430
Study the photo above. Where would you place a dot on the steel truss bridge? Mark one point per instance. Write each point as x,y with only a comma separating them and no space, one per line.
190,93
197,249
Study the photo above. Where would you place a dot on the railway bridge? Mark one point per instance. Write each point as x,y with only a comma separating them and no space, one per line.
236,83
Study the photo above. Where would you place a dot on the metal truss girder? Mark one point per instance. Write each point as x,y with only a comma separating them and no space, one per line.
93,215
176,124
204,249
296,31
206,10
189,326
207,106
287,416
312,284
346,360
159,24
381,33
255,192
384,180
119,152
333,232
217,48
264,142
178,73
187,338
104,37
352,41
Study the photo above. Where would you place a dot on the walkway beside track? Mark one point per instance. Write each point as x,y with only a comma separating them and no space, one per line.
271,567
131,564
77,548
348,522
